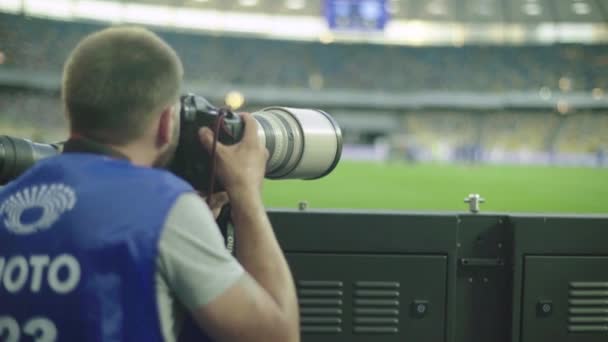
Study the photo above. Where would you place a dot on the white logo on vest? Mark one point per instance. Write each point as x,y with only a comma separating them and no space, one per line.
37,207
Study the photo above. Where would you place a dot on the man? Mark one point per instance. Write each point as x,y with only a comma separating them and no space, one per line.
96,244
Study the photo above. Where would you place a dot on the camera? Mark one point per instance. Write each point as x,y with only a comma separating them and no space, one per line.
302,143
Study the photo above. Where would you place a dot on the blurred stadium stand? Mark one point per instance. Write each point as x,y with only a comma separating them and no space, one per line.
42,45
516,104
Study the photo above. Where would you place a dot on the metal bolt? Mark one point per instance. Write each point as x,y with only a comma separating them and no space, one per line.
544,308
500,245
458,244
470,280
474,200
419,308
485,280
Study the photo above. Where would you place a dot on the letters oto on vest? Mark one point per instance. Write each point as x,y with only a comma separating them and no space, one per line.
20,273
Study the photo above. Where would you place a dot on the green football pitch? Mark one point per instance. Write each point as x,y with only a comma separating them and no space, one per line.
355,185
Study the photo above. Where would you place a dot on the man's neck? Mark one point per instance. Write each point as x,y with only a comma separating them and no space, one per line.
128,152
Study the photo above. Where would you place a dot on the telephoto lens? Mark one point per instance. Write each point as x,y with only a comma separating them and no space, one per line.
18,155
302,143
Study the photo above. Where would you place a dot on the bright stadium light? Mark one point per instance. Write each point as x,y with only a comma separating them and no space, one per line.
597,93
417,32
326,38
458,36
565,84
235,100
581,8
546,33
316,81
532,9
314,27
248,3
10,6
197,19
99,10
150,15
60,9
563,107
295,5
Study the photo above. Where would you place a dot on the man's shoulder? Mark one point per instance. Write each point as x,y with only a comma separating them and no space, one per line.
100,178
189,210
101,168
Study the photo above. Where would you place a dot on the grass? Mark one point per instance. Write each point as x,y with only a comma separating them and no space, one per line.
356,185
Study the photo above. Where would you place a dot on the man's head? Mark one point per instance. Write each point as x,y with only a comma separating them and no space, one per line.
121,87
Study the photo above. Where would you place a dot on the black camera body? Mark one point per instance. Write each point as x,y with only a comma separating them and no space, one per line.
191,160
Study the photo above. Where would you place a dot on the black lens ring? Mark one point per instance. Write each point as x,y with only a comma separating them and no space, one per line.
339,144
2,154
8,172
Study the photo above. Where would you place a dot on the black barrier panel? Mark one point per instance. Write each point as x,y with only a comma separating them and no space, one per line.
365,297
526,278
565,299
482,304
556,260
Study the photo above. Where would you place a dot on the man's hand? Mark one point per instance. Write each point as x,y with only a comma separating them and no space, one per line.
267,303
240,167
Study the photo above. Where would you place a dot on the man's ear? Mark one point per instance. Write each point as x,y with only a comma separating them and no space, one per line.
165,127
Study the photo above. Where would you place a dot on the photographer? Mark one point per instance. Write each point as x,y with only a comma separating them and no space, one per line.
99,244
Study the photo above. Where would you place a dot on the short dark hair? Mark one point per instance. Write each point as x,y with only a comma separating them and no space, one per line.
115,80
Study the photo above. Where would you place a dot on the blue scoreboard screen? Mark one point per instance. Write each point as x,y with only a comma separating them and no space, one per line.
359,15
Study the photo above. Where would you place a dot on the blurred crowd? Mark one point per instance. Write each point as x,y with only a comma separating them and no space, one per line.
42,45
469,136
37,44
510,136
34,116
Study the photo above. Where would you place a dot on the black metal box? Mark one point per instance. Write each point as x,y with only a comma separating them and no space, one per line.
367,297
565,299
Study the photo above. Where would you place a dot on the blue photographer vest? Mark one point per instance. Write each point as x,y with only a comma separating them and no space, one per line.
78,247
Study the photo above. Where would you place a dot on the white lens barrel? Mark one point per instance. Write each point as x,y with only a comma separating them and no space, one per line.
303,143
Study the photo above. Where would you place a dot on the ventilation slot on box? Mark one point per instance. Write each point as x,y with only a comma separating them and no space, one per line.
588,307
320,306
376,307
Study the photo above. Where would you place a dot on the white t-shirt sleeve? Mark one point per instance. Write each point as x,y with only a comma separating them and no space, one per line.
192,258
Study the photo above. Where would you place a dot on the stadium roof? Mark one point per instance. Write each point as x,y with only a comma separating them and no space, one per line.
468,11
413,22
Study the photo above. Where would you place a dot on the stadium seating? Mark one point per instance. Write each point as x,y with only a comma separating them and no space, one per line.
39,116
38,44
42,46
33,116
513,131
584,132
